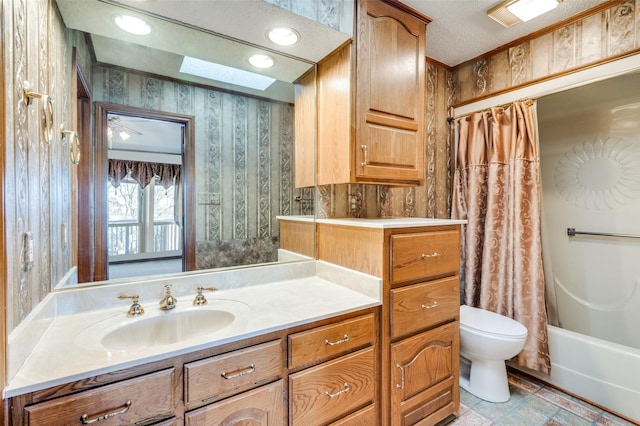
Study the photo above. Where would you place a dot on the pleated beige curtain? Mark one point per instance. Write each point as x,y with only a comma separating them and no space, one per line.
497,190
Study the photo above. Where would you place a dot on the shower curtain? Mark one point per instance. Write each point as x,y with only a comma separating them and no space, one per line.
497,190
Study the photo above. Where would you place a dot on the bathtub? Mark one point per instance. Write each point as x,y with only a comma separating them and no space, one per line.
605,373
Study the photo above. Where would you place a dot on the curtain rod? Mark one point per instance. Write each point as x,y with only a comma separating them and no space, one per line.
451,117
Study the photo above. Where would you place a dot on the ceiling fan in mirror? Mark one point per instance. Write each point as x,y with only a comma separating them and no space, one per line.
115,127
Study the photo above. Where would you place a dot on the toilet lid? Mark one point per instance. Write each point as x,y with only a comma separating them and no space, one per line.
490,322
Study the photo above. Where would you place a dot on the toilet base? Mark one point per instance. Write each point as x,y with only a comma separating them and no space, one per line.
486,379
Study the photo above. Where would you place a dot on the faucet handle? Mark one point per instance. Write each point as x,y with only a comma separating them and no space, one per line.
168,302
200,299
135,310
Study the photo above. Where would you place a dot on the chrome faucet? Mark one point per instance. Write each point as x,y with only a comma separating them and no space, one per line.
168,302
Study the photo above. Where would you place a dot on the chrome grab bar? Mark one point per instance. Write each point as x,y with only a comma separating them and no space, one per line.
572,233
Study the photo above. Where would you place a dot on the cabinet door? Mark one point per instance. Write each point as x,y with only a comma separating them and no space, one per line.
260,407
424,371
390,93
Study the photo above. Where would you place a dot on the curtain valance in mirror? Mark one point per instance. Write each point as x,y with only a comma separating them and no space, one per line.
143,172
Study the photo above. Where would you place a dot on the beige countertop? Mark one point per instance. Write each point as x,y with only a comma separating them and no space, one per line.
384,223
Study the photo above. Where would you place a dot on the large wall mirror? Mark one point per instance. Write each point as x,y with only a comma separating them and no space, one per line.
192,171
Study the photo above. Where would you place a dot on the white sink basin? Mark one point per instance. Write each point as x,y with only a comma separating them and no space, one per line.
172,327
157,328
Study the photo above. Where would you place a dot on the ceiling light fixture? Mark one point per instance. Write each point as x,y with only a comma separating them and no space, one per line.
260,60
283,36
511,12
132,25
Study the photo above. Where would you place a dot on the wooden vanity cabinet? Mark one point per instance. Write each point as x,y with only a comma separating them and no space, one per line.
277,378
420,343
371,100
341,386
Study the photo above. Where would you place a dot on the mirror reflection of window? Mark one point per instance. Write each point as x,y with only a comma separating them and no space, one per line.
124,219
143,232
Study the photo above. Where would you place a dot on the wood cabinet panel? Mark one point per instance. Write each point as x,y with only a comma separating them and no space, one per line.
424,255
260,407
368,416
335,133
390,93
126,402
423,374
213,378
331,390
305,130
309,347
298,237
420,306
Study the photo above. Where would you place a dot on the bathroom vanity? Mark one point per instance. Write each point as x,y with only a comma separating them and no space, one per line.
368,334
299,349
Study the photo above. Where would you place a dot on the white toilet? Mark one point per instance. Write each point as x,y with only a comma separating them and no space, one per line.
487,339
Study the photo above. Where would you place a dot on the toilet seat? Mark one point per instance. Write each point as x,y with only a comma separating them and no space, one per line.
490,323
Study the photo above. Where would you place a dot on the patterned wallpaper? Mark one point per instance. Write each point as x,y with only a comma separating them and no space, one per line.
603,35
244,162
36,177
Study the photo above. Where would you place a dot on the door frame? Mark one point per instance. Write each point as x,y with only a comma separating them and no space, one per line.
101,179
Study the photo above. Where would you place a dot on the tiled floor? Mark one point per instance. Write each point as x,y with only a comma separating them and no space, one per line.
531,404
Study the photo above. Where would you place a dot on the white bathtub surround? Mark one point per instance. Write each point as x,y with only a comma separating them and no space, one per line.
274,297
599,371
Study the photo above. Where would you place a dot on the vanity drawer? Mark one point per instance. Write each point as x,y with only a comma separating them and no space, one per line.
422,255
312,346
126,402
421,306
365,417
210,379
261,406
329,391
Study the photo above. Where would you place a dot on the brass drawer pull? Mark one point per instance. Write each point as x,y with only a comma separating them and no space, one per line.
239,373
435,304
340,392
401,385
365,155
434,254
338,342
86,420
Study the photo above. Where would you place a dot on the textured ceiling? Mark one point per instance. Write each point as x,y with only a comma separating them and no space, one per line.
461,30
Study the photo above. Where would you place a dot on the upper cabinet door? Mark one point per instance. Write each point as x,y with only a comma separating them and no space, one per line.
390,93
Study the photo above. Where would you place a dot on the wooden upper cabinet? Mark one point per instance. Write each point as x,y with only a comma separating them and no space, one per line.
305,130
371,101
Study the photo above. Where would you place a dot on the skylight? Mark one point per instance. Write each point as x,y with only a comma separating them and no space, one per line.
225,74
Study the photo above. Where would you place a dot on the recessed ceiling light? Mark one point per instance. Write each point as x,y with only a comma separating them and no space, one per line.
283,36
529,9
511,12
225,74
132,25
260,60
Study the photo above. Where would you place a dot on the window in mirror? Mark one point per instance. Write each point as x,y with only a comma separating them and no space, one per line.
143,232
